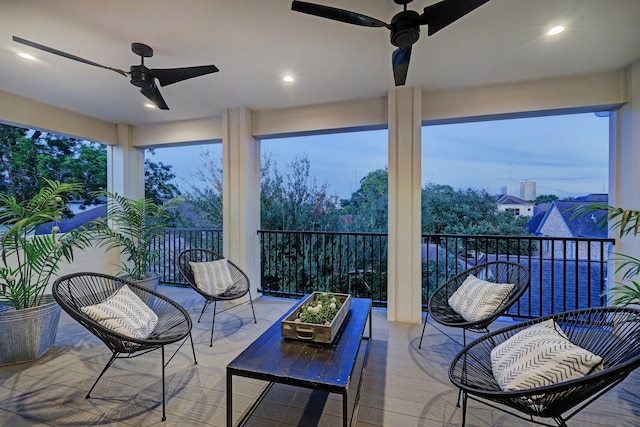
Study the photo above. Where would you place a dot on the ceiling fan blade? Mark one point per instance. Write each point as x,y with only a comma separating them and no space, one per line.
400,62
336,14
169,76
439,15
155,96
65,55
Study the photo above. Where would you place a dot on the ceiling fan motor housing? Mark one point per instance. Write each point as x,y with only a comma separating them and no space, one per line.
405,28
141,76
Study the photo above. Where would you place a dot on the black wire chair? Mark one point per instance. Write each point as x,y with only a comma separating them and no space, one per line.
239,289
498,271
78,290
612,333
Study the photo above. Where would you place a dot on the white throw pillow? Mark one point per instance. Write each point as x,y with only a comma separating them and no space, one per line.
476,299
213,277
125,313
538,356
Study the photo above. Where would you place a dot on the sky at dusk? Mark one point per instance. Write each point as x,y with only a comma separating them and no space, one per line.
566,155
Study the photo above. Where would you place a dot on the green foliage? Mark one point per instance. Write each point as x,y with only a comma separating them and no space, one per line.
158,179
545,198
135,223
28,261
205,200
294,201
369,205
321,310
26,161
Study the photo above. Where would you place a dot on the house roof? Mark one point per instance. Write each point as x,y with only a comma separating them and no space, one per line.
532,226
79,219
591,225
506,199
584,225
255,42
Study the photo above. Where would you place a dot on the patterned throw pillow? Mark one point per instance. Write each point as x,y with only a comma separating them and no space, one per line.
476,299
125,313
538,356
213,277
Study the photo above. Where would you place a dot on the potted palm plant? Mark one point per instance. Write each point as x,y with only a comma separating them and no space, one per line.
28,316
131,226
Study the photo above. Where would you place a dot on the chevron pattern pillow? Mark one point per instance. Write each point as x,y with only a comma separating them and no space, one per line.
476,299
213,277
538,356
125,313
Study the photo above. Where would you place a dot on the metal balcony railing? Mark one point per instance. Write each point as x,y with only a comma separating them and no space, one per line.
174,241
566,273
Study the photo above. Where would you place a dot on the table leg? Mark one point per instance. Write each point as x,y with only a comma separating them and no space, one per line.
345,410
229,400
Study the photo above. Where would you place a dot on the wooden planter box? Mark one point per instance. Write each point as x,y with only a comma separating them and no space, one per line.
312,331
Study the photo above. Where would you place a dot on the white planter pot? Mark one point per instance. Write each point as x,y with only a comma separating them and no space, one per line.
27,334
150,282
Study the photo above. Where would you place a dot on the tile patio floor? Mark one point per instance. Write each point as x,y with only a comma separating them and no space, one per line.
403,386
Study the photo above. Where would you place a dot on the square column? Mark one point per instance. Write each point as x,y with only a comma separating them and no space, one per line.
241,193
125,165
404,258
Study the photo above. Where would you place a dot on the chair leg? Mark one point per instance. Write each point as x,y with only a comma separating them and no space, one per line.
426,317
213,322
204,307
195,361
464,408
107,366
164,415
252,310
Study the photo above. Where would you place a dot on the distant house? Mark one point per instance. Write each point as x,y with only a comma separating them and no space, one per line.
515,205
79,218
559,221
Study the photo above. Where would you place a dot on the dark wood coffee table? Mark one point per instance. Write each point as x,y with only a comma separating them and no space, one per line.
324,367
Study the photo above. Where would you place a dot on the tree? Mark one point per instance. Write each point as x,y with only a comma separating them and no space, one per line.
294,201
204,199
157,181
28,158
369,204
545,198
445,210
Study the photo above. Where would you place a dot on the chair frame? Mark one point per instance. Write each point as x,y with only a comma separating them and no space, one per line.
241,282
174,323
605,331
503,271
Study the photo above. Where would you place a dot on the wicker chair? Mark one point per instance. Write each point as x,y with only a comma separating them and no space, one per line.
612,333
84,289
501,272
239,289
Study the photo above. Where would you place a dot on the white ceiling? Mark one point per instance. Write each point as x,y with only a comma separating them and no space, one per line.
255,42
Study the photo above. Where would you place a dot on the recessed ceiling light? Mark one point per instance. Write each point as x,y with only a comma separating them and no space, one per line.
288,78
556,30
149,105
27,56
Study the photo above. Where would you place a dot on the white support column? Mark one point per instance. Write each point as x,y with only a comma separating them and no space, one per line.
241,194
624,158
125,165
404,263
125,174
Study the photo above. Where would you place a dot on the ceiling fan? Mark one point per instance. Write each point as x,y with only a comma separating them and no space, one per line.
404,26
139,75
